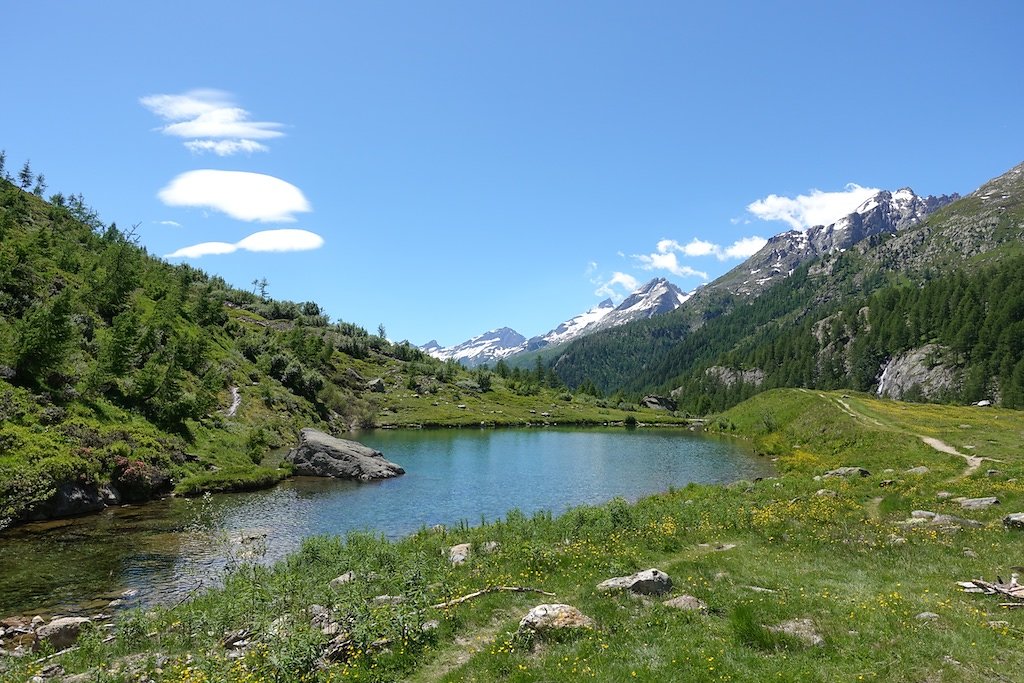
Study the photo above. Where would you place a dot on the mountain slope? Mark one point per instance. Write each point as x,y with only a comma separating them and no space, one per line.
789,331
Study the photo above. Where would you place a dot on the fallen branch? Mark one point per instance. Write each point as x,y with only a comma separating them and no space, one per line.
490,589
1013,589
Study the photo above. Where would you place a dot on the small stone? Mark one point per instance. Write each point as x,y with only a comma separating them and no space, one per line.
430,626
992,473
458,554
1014,521
37,621
896,540
979,503
920,469
922,514
759,589
951,521
347,577
943,495
647,582
998,624
388,600
826,493
489,547
801,629
970,553
554,617
847,472
927,616
886,483
687,603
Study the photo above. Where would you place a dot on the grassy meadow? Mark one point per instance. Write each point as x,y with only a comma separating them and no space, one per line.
880,593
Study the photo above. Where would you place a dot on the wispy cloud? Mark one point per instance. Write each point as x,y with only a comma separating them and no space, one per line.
283,240
212,122
667,252
240,194
612,287
170,224
815,208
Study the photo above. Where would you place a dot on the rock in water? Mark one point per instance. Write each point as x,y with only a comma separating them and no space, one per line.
322,455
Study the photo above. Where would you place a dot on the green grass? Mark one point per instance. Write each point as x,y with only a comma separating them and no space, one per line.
844,562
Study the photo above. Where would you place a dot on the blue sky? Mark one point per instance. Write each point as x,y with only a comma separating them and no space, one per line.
445,168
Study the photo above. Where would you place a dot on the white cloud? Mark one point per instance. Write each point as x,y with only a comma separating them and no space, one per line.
816,208
609,288
225,148
744,247
171,224
666,254
241,195
282,240
213,121
285,239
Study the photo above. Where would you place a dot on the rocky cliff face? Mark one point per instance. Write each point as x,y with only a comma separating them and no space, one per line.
918,374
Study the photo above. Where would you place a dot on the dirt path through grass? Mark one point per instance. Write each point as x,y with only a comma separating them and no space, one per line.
973,461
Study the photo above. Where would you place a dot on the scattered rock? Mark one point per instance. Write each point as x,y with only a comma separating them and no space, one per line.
847,472
687,603
62,632
647,582
458,554
922,514
826,493
388,600
489,547
803,630
951,521
896,540
760,589
1014,521
885,483
236,640
970,553
658,403
998,624
992,473
927,616
979,503
943,495
717,547
545,618
322,455
347,577
920,469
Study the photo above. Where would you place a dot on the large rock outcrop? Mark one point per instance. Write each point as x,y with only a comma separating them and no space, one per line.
919,373
322,455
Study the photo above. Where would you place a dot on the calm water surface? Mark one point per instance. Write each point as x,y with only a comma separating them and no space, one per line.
164,549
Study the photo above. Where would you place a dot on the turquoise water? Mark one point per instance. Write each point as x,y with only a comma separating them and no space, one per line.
164,549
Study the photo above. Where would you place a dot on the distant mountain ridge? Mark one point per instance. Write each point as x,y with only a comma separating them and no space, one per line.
883,213
654,298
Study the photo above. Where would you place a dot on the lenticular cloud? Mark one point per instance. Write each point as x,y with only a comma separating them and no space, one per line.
241,195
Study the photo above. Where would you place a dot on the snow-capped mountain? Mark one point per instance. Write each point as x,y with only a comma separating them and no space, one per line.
654,298
884,212
483,348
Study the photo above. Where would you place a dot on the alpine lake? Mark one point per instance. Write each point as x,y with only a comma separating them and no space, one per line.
160,552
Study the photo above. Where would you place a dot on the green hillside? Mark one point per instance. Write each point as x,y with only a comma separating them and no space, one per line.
950,285
125,377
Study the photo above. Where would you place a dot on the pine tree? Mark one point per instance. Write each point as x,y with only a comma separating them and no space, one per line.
25,176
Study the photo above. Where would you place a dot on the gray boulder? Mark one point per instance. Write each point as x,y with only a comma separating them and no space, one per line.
847,472
687,603
658,402
647,582
322,455
1014,521
62,632
554,617
979,503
